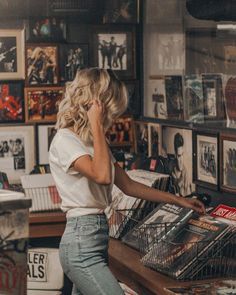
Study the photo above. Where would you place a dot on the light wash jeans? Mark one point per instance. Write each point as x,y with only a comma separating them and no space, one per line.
84,256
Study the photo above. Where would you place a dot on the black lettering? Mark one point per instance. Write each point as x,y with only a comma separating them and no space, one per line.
41,258
41,271
34,275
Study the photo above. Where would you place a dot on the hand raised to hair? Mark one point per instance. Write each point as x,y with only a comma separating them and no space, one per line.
95,113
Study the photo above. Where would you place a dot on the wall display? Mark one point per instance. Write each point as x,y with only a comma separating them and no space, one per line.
193,98
206,161
174,97
169,57
133,97
230,102
228,162
213,97
73,57
115,50
41,64
11,101
156,105
17,155
177,146
41,103
154,137
12,62
141,138
45,134
49,29
121,11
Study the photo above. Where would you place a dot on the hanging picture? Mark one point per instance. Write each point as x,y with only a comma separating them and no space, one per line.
115,50
134,102
206,160
73,57
11,101
141,138
17,155
12,60
154,137
41,103
228,162
229,97
41,64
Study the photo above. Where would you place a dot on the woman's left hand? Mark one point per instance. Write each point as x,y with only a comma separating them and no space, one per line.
194,204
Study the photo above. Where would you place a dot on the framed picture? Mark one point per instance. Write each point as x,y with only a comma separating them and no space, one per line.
17,155
48,29
114,49
121,11
228,162
11,101
177,148
141,138
41,64
229,98
73,57
41,103
134,104
154,137
206,159
155,102
12,59
45,134
212,97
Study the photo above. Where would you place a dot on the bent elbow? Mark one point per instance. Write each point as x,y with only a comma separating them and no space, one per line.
105,180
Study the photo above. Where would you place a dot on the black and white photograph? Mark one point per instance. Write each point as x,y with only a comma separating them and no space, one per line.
229,98
155,103
49,29
134,101
177,146
11,54
228,163
45,134
206,159
42,64
141,138
17,156
154,136
115,50
73,57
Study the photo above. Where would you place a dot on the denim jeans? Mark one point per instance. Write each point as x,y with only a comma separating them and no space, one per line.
84,256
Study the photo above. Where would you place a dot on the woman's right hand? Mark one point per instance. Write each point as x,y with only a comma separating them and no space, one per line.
95,113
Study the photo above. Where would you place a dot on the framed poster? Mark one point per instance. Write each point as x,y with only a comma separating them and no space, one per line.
141,138
228,162
17,155
41,103
206,159
12,59
114,49
229,98
134,101
41,64
73,57
47,29
11,102
154,137
177,146
45,134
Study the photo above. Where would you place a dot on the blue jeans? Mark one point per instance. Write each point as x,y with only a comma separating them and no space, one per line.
84,256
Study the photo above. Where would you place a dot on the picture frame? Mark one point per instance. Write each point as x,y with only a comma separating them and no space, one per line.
11,102
41,103
42,67
228,162
141,135
206,159
229,99
12,59
134,101
121,11
213,104
177,149
155,140
17,158
47,29
114,49
45,134
73,57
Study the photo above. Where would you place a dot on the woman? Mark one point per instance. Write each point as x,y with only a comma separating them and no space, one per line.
84,172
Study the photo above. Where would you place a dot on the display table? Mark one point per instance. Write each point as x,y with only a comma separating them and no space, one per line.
124,261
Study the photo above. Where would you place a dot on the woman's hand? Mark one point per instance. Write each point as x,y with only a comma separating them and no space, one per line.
95,113
194,204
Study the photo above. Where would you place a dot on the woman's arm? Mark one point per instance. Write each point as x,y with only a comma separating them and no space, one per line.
135,189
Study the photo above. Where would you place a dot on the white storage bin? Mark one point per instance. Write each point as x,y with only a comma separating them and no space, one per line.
44,269
42,190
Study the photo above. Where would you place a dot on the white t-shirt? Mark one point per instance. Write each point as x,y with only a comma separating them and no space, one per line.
80,195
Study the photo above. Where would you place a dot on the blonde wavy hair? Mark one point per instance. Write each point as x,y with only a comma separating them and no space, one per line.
89,84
